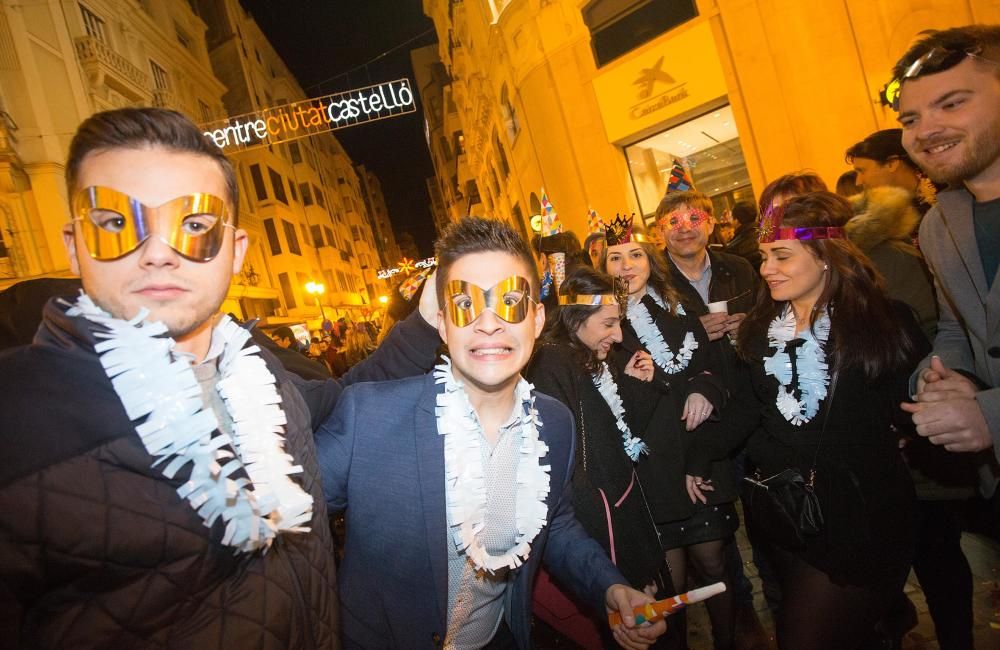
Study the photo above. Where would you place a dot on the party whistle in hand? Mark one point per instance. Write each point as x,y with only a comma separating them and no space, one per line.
652,612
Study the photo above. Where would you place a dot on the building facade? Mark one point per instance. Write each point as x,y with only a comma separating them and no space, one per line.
301,202
601,101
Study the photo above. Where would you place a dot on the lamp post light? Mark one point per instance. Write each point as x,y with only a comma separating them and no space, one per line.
383,299
317,289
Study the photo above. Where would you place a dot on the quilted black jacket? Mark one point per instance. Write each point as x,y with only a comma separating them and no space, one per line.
98,550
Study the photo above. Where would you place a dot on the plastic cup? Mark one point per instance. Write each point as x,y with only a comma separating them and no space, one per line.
719,307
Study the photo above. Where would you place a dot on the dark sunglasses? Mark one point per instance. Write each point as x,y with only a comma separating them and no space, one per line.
936,60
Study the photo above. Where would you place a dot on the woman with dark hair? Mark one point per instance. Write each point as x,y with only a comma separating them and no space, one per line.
612,401
657,323
828,357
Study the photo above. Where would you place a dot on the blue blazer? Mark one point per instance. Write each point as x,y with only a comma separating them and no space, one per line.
382,460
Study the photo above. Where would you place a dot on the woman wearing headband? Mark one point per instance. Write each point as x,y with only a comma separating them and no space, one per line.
828,360
657,323
612,403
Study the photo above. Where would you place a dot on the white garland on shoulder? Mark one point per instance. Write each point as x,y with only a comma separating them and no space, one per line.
465,485
176,428
652,339
813,372
606,386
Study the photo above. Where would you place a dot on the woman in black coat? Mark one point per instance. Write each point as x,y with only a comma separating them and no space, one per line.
657,323
829,358
574,365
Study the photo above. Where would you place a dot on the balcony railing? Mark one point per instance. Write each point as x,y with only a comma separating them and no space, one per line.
105,66
163,98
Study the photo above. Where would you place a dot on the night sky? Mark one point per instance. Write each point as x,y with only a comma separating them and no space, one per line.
319,40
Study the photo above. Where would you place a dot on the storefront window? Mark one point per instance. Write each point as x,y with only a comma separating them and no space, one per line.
704,151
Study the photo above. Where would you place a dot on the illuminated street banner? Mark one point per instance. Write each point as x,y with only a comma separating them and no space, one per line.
312,116
406,265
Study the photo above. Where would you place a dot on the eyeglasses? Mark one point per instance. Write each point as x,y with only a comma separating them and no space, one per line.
114,224
508,299
690,219
936,60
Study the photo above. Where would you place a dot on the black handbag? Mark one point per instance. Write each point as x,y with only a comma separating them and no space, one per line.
784,509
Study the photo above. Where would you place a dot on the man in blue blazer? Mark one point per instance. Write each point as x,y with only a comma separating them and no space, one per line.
456,484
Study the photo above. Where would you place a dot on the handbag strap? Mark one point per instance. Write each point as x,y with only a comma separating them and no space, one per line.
822,433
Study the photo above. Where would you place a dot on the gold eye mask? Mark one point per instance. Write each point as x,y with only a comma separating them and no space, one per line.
508,299
114,224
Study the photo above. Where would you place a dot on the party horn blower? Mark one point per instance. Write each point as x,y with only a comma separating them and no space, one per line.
652,612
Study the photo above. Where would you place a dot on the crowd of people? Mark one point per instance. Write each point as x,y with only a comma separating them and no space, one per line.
515,441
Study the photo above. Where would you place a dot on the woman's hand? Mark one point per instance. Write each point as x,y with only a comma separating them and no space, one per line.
640,366
696,410
696,488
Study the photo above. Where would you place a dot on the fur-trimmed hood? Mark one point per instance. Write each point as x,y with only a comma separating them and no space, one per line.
882,214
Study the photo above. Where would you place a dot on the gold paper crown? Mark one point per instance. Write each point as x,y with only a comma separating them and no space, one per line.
619,297
619,231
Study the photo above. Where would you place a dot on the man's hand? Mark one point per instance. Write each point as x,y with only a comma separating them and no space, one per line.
957,424
715,325
937,383
622,599
640,366
733,323
696,410
429,300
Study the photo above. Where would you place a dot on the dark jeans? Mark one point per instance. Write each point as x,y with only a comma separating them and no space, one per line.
944,572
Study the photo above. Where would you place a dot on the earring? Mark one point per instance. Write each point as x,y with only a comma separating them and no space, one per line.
826,267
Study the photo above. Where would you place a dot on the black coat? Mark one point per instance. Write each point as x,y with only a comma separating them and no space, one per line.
864,489
744,244
604,483
662,473
732,276
97,549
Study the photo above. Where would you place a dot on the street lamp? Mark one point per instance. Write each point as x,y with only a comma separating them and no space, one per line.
317,289
383,299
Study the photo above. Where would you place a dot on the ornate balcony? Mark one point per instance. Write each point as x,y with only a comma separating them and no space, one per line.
105,67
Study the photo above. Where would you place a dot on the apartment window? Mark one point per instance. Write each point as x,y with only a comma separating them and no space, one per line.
257,54
305,232
320,197
306,192
286,290
295,152
93,25
501,155
329,236
293,191
258,182
459,143
317,235
620,26
349,203
343,281
160,79
278,183
272,237
182,37
292,237
328,276
206,112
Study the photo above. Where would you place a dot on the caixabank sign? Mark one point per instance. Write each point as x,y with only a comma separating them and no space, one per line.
312,116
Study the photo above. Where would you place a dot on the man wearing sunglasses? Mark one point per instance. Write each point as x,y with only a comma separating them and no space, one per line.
949,108
456,485
159,484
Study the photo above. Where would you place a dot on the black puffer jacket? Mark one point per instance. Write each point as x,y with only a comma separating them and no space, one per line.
98,550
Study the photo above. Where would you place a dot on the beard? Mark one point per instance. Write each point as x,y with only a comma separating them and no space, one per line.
984,151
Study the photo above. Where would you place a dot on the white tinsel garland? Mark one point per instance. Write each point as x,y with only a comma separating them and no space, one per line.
606,386
465,485
177,428
810,362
